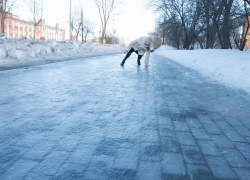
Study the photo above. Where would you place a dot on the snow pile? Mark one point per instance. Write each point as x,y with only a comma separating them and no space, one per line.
229,67
14,51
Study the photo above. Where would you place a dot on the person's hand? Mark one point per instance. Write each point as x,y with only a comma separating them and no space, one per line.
126,51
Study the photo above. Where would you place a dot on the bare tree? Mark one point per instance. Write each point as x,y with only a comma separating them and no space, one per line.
77,21
184,15
212,14
88,28
80,24
191,22
5,6
108,38
225,24
248,1
172,31
226,11
209,23
105,8
36,9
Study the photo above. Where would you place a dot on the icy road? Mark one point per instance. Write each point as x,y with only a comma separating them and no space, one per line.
91,118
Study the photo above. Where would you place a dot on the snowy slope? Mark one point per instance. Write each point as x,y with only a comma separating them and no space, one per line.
229,67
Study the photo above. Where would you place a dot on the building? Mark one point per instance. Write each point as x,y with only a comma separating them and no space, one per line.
240,33
247,45
15,27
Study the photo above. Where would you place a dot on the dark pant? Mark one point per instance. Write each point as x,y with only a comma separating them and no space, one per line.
129,53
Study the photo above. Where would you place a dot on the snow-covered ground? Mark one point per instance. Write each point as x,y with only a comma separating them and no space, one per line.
229,67
19,52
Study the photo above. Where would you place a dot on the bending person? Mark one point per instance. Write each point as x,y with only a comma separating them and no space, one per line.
139,46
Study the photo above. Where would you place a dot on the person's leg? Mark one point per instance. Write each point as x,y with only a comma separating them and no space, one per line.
139,57
126,57
138,60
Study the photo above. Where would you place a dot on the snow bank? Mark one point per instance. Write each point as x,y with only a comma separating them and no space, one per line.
229,67
14,51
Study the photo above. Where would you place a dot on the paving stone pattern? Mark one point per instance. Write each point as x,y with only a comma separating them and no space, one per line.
92,119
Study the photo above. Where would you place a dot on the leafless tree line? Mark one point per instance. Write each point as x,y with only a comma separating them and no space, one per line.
248,1
210,23
105,9
80,24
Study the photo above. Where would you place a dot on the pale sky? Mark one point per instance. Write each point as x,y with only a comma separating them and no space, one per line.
133,19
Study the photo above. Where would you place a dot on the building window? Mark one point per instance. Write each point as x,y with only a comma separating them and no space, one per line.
15,31
10,31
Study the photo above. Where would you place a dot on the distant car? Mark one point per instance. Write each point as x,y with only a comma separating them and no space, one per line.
152,50
42,38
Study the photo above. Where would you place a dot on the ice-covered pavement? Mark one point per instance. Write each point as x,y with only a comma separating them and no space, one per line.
230,67
92,119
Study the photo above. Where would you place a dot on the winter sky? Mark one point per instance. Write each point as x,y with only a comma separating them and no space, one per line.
133,19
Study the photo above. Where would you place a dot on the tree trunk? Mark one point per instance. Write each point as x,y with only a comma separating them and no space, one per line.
248,2
225,27
2,14
82,24
34,31
2,22
206,22
103,32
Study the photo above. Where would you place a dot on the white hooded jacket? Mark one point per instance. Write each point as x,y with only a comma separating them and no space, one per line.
139,46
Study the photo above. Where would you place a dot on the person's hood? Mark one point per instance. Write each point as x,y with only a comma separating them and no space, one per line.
148,41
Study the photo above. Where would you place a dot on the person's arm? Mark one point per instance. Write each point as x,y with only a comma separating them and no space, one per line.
147,58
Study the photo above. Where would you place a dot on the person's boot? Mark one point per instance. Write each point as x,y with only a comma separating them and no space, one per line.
138,62
123,61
